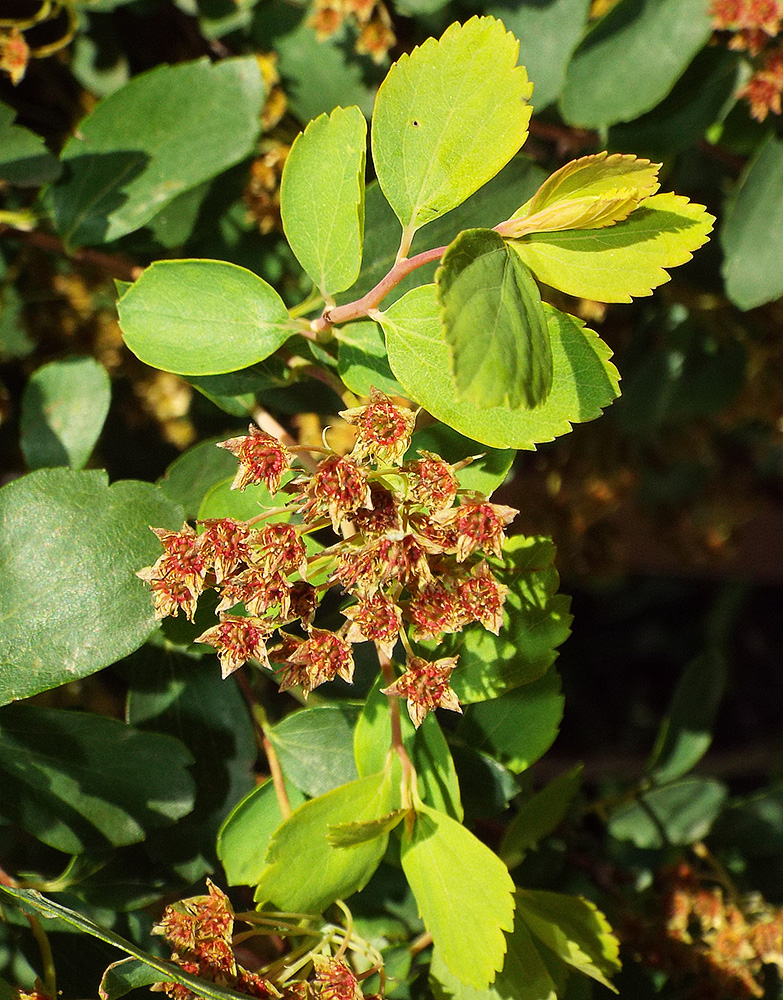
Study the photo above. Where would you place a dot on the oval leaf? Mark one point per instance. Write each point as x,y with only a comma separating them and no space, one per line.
322,198
494,324
71,603
163,133
678,813
624,260
583,382
631,59
63,409
453,112
202,317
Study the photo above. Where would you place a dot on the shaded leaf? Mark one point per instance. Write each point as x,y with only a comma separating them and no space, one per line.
494,324
589,193
678,813
86,540
686,733
574,929
79,781
464,894
315,747
631,59
227,316
64,406
243,839
193,474
454,112
24,159
322,198
126,975
519,727
752,236
583,379
164,132
539,816
301,845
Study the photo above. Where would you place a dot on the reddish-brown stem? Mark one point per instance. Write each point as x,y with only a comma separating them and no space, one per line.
259,721
408,771
373,298
112,264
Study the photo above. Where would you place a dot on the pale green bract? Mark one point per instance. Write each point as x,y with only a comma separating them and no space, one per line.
322,198
447,118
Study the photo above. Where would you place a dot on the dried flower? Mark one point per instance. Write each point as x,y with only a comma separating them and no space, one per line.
432,481
383,430
262,459
479,525
334,980
426,686
237,640
320,658
374,619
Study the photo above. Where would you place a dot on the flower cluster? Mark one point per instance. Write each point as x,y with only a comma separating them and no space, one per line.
372,18
754,26
200,932
410,556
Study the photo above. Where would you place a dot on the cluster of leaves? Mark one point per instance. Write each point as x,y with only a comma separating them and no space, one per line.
454,867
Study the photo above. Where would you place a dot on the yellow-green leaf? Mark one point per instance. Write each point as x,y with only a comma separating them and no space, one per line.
447,118
588,193
621,261
464,894
322,198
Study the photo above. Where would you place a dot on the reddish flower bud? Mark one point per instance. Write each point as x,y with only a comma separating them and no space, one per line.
383,430
425,685
479,525
262,459
334,980
434,610
278,547
259,593
482,597
237,640
338,488
223,546
169,594
321,657
374,619
432,481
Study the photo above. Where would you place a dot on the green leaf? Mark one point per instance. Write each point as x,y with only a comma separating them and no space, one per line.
574,929
305,873
583,381
349,834
171,693
589,193
243,839
548,33
24,159
221,501
79,781
539,816
494,324
678,813
193,474
361,359
126,975
315,747
71,603
63,409
519,727
426,746
447,118
536,620
631,59
464,894
686,733
202,317
33,902
752,237
524,975
163,133
624,260
484,475
322,198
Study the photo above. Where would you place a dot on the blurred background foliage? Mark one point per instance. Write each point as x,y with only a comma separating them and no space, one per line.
667,513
